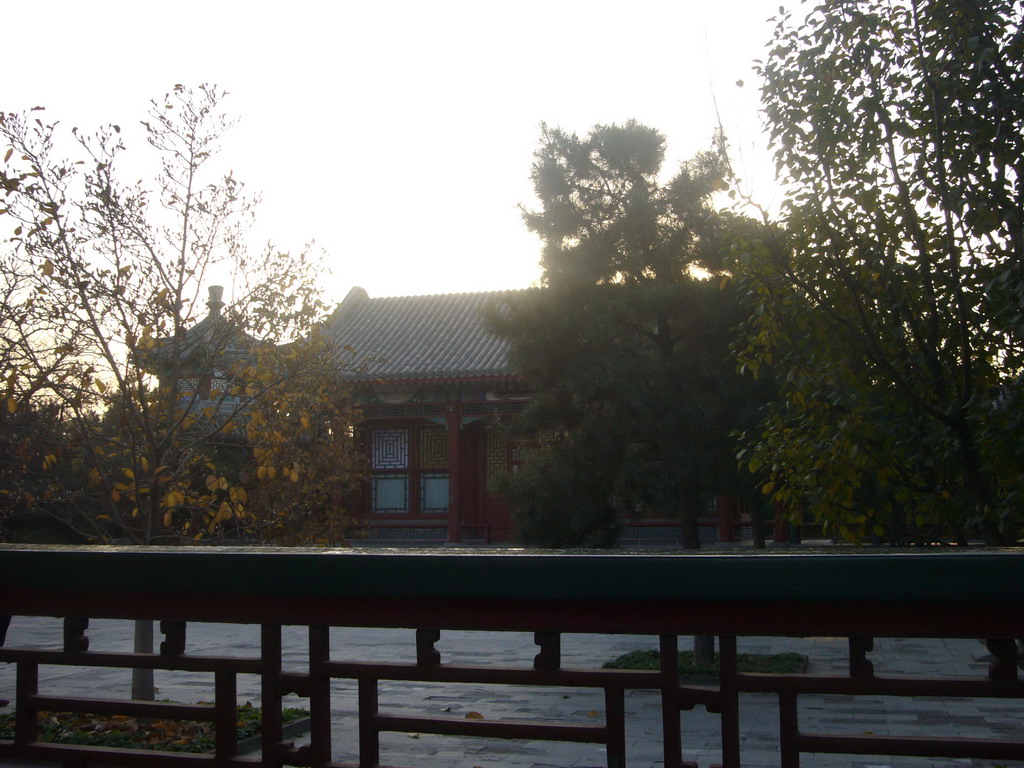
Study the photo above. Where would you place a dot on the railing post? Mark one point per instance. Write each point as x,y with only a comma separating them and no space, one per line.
369,736
729,701
1004,668
550,655
789,730
173,643
672,741
860,665
26,686
75,639
319,696
270,658
615,726
226,713
426,654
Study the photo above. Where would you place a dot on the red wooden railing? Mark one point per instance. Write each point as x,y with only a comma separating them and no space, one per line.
857,596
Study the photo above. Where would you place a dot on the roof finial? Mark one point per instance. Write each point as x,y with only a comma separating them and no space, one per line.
215,304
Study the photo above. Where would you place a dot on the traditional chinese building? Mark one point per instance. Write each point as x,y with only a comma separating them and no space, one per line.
436,394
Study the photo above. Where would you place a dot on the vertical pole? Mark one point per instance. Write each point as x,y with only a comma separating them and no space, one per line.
730,715
615,726
26,686
369,736
270,658
453,422
672,741
319,696
226,714
789,730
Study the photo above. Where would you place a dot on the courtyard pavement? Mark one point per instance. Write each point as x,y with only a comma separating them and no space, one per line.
758,712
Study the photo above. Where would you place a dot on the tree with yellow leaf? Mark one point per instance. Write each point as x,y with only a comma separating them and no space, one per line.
168,425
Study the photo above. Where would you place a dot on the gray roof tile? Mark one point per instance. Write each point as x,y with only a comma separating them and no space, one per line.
422,338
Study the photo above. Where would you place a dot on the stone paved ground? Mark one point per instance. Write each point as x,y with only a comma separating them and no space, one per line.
759,714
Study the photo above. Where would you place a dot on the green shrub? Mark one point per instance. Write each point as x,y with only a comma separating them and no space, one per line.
776,663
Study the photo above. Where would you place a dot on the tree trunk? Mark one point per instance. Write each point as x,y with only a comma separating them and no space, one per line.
690,532
703,645
142,679
757,525
703,650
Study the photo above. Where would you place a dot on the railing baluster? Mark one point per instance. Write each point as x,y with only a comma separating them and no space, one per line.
729,701
75,639
174,638
670,725
226,713
319,696
861,667
1004,668
615,725
426,654
26,686
789,730
369,735
550,655
270,659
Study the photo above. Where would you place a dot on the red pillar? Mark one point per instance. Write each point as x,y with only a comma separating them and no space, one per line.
453,422
726,506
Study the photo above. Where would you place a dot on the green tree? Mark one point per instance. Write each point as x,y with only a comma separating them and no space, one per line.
627,346
101,321
889,297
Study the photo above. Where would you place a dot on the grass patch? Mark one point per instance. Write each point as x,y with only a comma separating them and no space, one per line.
124,732
775,663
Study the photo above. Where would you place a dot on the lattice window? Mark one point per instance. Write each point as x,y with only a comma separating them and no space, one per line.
434,492
525,447
496,461
433,448
390,493
390,448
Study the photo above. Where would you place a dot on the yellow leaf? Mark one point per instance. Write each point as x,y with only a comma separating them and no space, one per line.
168,519
145,463
271,473
474,716
115,495
12,405
294,476
101,386
102,517
261,473
592,713
129,473
47,267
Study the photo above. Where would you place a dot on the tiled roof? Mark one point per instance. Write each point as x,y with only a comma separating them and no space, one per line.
422,338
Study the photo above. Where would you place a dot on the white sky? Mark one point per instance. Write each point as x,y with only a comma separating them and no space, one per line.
400,135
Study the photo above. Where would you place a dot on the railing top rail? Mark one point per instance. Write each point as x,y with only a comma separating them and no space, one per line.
992,577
